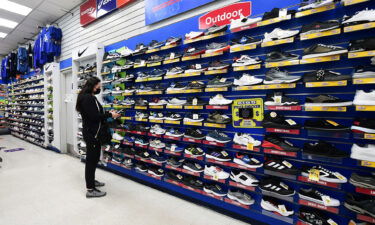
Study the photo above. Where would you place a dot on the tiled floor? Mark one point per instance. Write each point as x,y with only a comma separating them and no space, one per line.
42,187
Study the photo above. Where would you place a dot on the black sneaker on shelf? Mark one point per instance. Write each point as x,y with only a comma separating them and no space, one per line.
363,125
219,155
314,217
363,181
324,174
275,120
218,118
194,133
175,162
192,182
360,204
216,29
218,81
366,44
273,141
155,44
320,50
316,196
275,187
175,176
196,85
279,99
191,51
319,26
324,75
140,167
326,100
193,167
156,171
281,166
195,101
277,56
218,65
324,149
324,125
245,40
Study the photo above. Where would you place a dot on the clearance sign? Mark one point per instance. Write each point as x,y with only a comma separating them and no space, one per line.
92,10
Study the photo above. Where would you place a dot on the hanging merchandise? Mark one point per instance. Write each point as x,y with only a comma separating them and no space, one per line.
47,46
4,71
22,60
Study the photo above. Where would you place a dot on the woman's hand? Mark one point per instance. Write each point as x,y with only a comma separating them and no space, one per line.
114,114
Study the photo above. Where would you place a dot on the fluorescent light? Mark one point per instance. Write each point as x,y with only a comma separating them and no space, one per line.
3,35
7,23
15,7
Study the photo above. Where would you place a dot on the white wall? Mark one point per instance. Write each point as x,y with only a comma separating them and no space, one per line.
120,25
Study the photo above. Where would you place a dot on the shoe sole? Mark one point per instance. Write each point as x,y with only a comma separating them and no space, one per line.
239,181
274,193
218,159
364,75
218,50
321,30
215,140
244,64
330,104
96,196
188,136
187,152
253,43
191,120
217,68
151,172
325,54
358,210
248,84
281,81
363,129
363,102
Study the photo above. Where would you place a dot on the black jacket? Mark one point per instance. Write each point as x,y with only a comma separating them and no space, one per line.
92,116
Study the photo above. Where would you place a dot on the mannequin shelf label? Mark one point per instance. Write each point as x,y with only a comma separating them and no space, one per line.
193,107
320,59
361,54
174,107
364,80
172,121
233,202
277,42
320,34
318,206
359,27
238,185
216,89
352,2
242,68
282,63
368,164
317,10
320,182
325,108
274,20
277,152
327,83
365,191
169,61
215,125
243,48
156,107
365,107
182,75
212,54
214,72
284,108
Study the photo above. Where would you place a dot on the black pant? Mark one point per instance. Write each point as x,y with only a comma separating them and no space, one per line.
92,160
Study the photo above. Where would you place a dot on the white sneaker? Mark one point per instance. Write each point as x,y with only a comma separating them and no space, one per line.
245,139
176,101
126,51
117,137
246,80
361,16
366,153
82,144
278,34
316,4
243,21
246,60
220,100
244,178
364,98
193,34
156,129
80,125
215,171
157,144
160,102
274,207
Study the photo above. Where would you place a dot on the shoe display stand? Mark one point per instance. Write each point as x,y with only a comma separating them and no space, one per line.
344,64
84,60
3,105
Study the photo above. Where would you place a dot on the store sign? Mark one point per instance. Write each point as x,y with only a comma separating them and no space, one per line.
104,7
225,15
121,3
157,10
88,12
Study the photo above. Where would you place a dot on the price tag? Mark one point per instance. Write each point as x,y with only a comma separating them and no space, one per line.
224,153
255,160
195,101
143,62
341,177
179,176
326,200
222,80
215,177
283,12
191,50
287,164
291,122
198,66
250,146
173,148
278,99
146,154
314,175
283,185
282,208
331,222
172,55
332,123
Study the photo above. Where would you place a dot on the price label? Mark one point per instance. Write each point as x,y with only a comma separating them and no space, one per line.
314,175
341,177
282,208
291,122
215,177
198,66
195,116
331,222
195,101
332,123
224,153
250,146
287,164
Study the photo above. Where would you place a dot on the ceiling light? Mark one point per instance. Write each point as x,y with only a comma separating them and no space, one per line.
3,35
15,7
7,23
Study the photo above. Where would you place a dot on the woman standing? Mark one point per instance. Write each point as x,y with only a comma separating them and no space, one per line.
93,116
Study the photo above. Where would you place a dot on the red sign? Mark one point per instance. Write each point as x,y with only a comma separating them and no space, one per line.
225,15
88,12
122,3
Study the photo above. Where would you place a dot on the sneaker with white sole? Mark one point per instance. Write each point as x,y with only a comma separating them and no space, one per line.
270,204
246,80
117,137
220,100
240,197
243,178
193,35
366,152
176,101
364,16
314,4
278,34
246,60
364,98
216,172
245,139
243,21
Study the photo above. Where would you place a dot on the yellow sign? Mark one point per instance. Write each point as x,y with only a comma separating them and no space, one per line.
277,42
215,125
211,54
368,164
172,121
174,106
316,10
211,72
275,20
352,2
140,107
369,136
243,48
126,118
193,123
361,54
247,113
216,89
156,106
153,50
150,93
314,175
154,64
364,81
169,46
326,108
186,58
359,27
127,94
213,35
169,61
242,68
327,83
365,107
193,107
282,63
320,34
320,59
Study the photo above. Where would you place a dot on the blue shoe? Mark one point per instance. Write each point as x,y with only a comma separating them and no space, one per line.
218,137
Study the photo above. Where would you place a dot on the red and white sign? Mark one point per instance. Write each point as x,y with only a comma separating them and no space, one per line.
225,15
88,12
122,3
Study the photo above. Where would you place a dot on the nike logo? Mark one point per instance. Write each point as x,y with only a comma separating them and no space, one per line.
81,53
48,67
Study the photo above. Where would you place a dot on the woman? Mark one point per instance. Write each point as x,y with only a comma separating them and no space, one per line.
92,116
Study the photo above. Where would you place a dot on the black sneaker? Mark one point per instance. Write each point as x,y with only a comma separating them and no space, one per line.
216,47
194,151
273,141
142,154
274,13
324,75
175,176
140,49
155,44
361,205
279,99
173,40
324,125
194,133
141,127
363,181
323,149
316,196
218,118
277,56
320,50
366,44
193,167
363,125
273,186
156,73
191,51
195,101
141,102
175,162
193,117
141,167
319,27
314,217
129,151
274,120
324,174
156,171
281,166
364,72
216,29
219,155
219,82
192,182
217,65
214,189
195,85
326,100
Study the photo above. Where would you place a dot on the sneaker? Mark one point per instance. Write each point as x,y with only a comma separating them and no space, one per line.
175,70
273,141
275,187
172,40
218,118
117,137
195,85
193,167
312,216
155,44
243,21
173,116
326,100
245,160
157,144
364,16
140,48
95,193
174,133
281,166
156,171
278,56
244,41
278,34
125,51
363,152
313,4
363,181
193,182
141,141
156,129
364,98
320,50
141,167
176,101
214,189
176,87
243,178
271,204
324,75
325,174
324,125
195,68
246,80
279,99
275,120
215,171
365,44
364,72
276,76
216,29
195,101
173,148
158,101
194,151
360,205
217,136
217,47
175,176
245,139
219,82
156,157
240,196
156,73
172,55
194,133
222,156
193,117
323,149
316,196
246,60
191,51
219,100
316,27
217,65
175,162
363,125
193,35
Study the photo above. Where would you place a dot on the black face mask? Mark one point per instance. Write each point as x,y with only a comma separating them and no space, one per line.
97,91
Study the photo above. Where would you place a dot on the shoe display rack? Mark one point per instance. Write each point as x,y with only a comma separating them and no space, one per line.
87,62
25,110
3,106
301,161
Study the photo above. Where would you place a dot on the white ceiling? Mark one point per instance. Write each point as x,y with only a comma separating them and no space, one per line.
44,12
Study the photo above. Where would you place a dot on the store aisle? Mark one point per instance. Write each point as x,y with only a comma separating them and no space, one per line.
42,187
